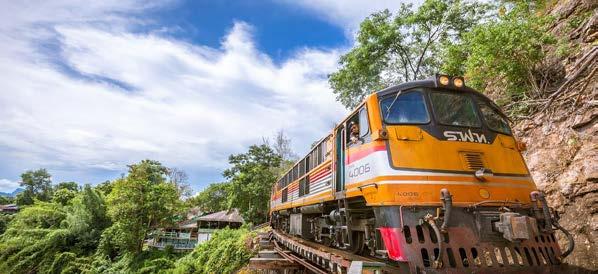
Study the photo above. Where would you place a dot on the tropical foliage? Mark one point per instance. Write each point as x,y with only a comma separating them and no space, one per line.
142,200
101,229
92,230
250,178
497,44
506,51
393,48
227,251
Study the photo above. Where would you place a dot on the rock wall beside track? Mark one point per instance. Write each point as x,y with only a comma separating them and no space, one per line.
562,140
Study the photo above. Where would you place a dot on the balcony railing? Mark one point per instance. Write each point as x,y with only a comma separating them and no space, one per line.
175,245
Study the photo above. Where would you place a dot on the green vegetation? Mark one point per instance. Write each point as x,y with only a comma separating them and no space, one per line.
404,47
227,251
250,179
92,230
4,221
506,51
212,199
501,44
38,185
68,229
142,200
38,237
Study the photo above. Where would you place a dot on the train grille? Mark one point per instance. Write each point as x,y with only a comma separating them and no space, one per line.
472,160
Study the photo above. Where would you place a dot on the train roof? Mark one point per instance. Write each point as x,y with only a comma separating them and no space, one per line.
433,83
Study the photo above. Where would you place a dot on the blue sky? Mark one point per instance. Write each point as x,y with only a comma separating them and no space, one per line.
89,87
279,28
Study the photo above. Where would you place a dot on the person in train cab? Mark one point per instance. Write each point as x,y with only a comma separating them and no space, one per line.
354,137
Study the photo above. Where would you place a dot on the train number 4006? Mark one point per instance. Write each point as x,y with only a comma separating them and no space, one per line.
359,170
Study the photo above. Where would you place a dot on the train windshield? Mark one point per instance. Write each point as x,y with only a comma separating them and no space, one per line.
454,109
494,119
405,108
448,107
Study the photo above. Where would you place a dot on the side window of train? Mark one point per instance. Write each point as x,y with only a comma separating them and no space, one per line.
285,195
364,125
358,128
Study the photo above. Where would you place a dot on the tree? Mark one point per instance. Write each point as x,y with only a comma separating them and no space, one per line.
47,237
32,238
38,183
251,178
393,49
5,200
212,199
506,51
179,178
87,219
63,196
140,201
105,188
282,147
24,198
72,186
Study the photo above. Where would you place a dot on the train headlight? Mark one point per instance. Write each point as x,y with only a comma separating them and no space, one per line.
458,82
443,80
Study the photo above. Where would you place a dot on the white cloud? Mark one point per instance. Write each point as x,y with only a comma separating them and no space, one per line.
348,14
89,93
8,186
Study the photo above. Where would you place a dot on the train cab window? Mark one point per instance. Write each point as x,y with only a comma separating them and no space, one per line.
358,128
364,125
405,108
353,136
454,109
494,120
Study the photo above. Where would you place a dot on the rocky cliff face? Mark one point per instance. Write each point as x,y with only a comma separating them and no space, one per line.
562,139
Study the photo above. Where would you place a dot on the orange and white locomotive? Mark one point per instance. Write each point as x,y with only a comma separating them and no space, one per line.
428,175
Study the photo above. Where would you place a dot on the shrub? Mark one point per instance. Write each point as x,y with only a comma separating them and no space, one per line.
506,51
225,252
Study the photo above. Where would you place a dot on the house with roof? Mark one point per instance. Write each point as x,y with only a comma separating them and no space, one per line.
9,208
185,235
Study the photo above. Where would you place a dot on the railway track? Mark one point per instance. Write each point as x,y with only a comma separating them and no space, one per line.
285,254
296,254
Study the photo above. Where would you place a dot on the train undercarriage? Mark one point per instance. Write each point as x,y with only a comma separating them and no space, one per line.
443,238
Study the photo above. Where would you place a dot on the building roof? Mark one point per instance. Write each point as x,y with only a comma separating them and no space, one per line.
193,212
189,223
231,216
9,207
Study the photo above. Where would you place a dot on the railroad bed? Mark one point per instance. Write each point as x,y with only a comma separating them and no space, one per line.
287,254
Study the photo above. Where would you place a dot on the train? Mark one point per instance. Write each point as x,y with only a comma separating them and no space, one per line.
428,176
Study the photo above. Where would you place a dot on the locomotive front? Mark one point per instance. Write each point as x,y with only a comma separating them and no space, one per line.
451,189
